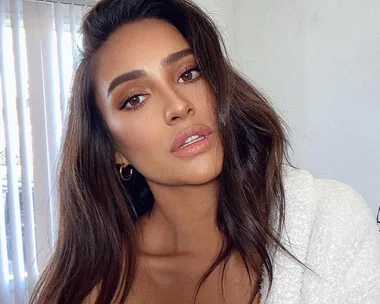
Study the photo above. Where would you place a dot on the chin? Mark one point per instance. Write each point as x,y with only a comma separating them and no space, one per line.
199,176
194,172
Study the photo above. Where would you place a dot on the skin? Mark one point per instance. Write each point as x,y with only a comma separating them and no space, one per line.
180,240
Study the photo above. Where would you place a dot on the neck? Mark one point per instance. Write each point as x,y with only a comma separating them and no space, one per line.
182,220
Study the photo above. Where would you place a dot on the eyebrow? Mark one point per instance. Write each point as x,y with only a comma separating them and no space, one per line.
135,74
176,56
124,78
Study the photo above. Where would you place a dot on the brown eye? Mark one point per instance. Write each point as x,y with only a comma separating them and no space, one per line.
134,101
189,76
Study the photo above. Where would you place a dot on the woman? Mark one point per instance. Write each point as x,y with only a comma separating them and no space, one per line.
173,185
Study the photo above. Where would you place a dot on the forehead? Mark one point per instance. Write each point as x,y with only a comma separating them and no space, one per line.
137,46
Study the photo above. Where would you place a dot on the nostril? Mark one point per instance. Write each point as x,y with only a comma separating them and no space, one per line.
179,110
190,111
175,118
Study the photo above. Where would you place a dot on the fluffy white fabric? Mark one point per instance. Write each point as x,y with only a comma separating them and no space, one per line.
331,230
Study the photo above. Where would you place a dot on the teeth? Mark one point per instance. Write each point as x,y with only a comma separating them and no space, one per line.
191,140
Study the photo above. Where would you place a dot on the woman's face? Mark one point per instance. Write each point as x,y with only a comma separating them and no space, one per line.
157,106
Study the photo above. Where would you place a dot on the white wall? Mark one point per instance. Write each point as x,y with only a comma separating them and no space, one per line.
319,63
223,13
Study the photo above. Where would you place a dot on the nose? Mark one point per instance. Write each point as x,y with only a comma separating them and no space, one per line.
177,108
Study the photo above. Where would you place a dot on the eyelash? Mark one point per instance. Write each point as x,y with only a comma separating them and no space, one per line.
138,94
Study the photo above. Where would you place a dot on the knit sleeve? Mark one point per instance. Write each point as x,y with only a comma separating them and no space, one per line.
344,250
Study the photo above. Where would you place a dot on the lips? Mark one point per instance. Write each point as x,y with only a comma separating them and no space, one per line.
189,136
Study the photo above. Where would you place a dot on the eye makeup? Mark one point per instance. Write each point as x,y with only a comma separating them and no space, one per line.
139,97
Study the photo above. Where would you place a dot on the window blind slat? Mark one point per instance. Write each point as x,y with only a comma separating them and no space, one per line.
10,128
58,17
4,269
5,295
25,155
53,124
73,31
39,138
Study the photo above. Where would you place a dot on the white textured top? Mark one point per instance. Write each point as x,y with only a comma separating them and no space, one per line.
331,230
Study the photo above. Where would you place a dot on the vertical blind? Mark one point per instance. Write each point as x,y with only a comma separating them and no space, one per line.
38,44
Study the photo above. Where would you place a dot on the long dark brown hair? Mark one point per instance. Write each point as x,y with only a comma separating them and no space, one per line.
96,245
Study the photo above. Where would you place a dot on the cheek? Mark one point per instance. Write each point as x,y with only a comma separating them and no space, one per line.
204,99
132,137
210,101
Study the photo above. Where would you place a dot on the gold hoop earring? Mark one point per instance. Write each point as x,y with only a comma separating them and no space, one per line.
130,174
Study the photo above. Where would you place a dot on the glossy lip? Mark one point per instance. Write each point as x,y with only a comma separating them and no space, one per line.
195,147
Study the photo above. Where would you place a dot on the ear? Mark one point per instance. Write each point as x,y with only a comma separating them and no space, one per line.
120,159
